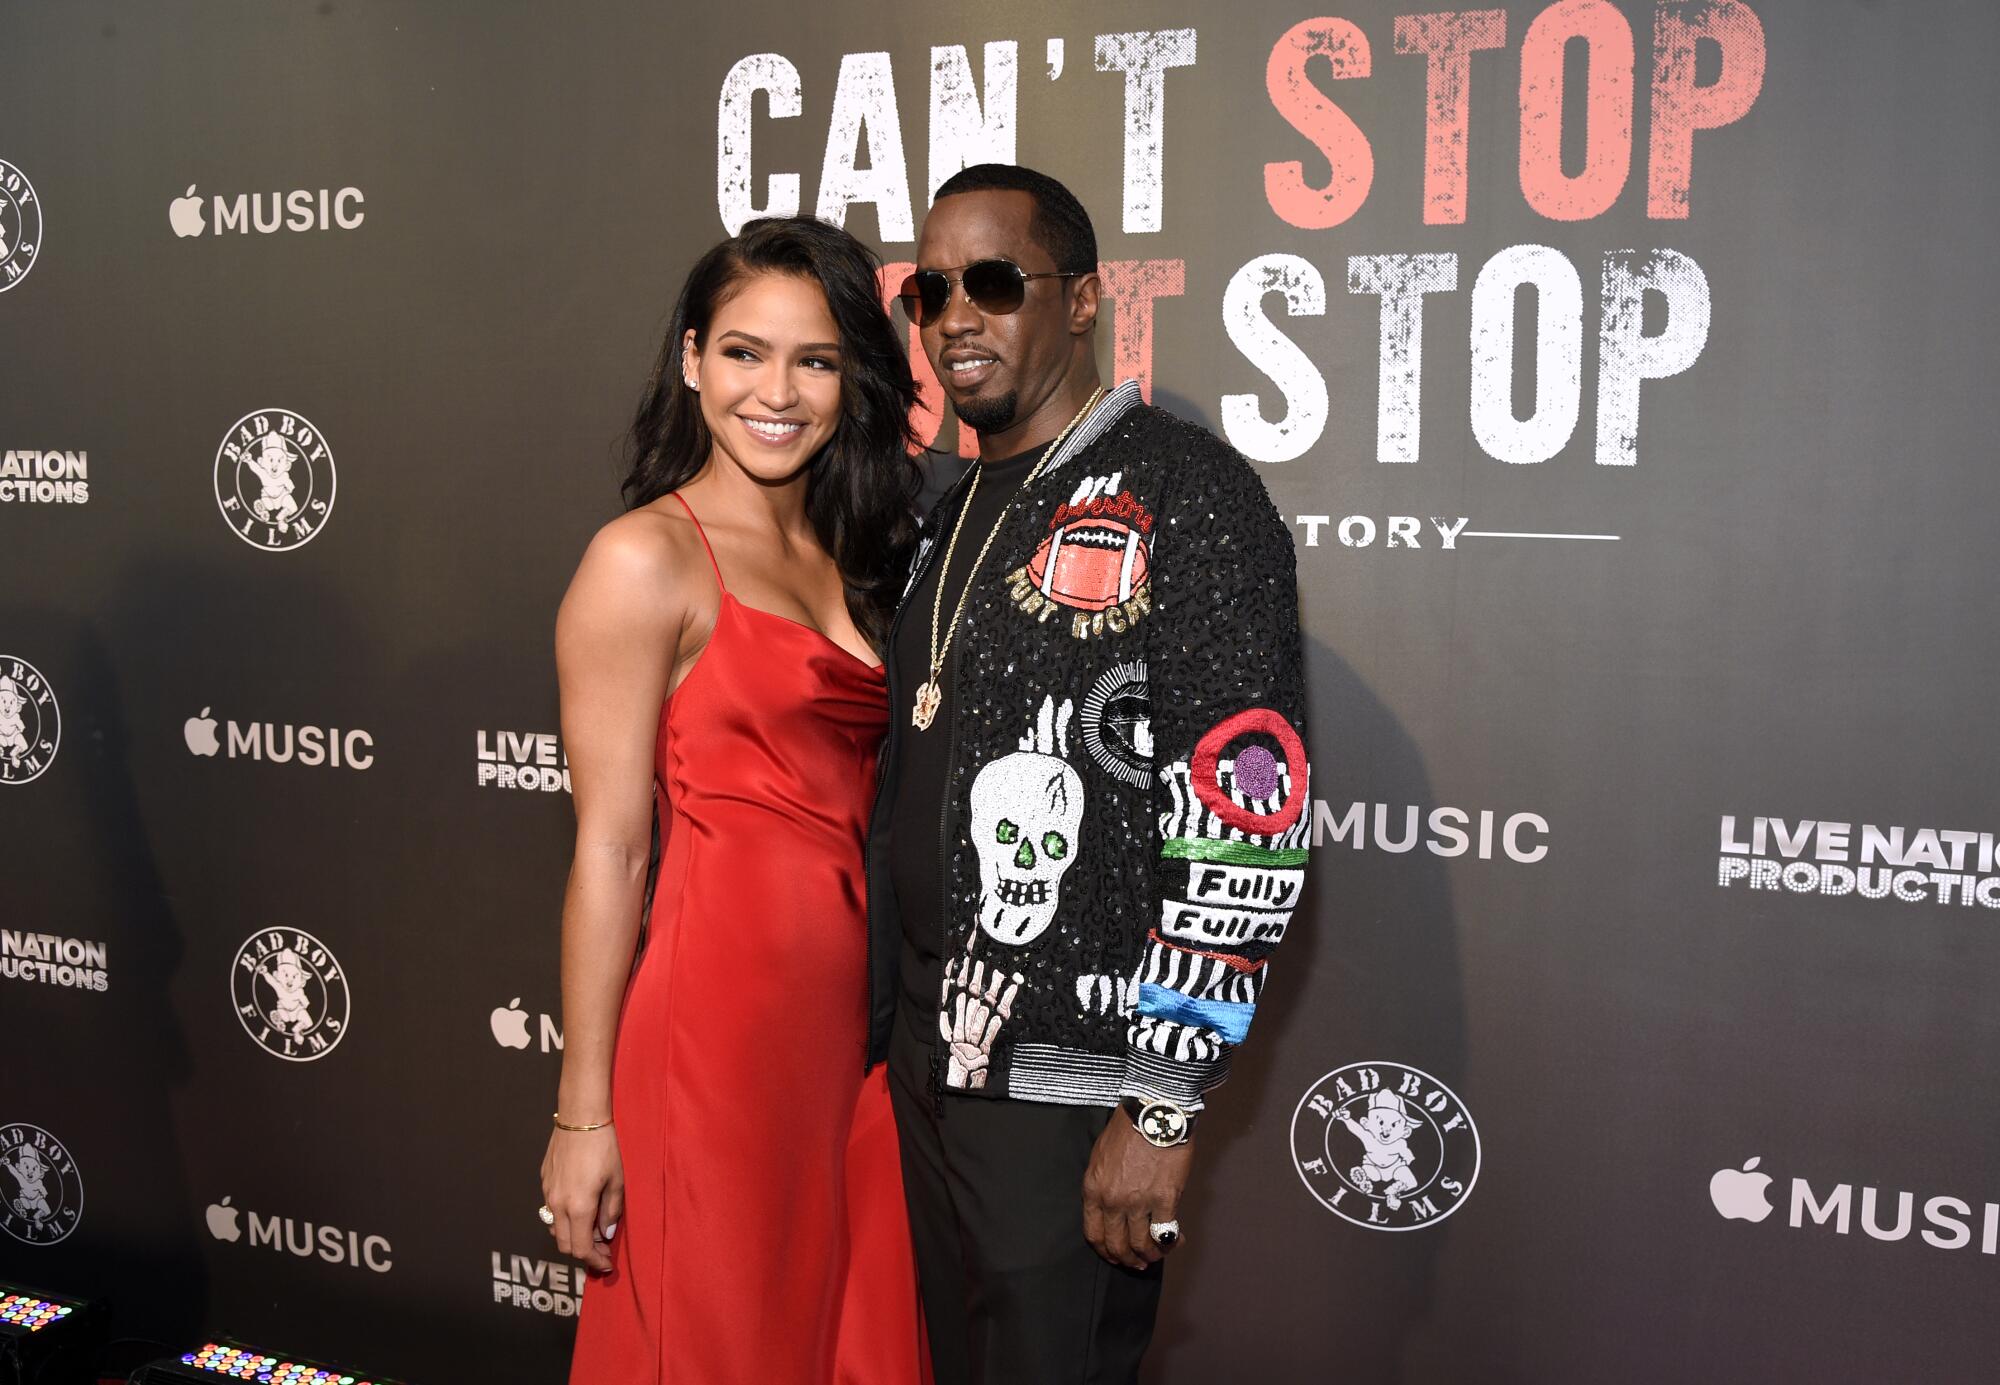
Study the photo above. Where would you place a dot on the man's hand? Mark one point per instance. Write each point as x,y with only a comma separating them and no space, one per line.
978,1001
1131,1183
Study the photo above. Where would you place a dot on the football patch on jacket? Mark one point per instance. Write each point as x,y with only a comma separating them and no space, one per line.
1095,564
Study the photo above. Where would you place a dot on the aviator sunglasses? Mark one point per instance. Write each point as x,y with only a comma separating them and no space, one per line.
995,287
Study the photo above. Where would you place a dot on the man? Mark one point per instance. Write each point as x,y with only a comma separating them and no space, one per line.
1092,817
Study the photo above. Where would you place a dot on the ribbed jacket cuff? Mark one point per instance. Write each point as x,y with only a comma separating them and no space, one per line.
1148,1075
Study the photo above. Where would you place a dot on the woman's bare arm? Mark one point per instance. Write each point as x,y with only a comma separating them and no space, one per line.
618,646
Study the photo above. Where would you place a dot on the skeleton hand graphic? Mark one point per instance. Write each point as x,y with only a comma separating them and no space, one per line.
976,1000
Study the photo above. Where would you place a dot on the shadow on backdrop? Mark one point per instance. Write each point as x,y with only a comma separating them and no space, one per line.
1369,972
101,1069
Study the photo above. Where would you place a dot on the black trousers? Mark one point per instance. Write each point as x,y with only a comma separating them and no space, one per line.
1013,1294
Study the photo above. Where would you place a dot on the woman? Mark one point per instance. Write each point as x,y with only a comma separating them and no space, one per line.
718,1154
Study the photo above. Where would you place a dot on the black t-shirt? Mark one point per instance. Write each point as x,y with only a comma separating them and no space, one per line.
916,817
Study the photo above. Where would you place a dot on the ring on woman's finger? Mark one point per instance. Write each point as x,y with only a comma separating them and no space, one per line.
1165,1232
548,1217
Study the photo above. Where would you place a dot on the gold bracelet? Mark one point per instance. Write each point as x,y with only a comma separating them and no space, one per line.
563,1125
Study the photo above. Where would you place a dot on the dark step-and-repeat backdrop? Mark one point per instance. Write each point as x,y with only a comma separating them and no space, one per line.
1621,368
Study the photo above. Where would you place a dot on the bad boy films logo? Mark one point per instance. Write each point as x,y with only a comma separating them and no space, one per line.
1386,1146
290,994
274,480
30,721
41,1193
20,226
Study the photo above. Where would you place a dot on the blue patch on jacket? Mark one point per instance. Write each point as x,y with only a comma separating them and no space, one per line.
1230,1020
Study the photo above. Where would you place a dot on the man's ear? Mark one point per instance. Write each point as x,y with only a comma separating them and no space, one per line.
1085,295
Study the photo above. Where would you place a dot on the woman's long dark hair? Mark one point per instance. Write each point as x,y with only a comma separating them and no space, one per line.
861,486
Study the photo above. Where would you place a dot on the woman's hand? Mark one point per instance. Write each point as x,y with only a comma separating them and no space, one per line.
583,1183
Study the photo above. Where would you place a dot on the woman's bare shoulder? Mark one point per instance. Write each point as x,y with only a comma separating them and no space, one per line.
647,564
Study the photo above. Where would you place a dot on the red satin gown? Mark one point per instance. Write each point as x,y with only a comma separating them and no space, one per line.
764,1240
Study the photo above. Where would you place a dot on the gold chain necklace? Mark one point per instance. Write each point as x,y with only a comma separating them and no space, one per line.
930,696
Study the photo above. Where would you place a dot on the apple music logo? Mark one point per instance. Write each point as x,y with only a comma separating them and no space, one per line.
306,209
1743,1195
509,1026
279,742
300,1238
1739,1194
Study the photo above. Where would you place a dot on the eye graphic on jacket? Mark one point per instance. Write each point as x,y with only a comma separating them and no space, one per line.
1249,769
1117,718
1006,833
1055,845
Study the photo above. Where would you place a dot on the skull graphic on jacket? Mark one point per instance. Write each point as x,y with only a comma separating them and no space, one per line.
1027,811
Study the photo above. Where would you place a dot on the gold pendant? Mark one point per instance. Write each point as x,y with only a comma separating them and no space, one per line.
929,697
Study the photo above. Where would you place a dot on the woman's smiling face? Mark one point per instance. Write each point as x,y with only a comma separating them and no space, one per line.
769,375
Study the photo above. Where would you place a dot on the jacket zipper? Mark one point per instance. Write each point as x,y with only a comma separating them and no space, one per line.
938,1053
882,779
882,763
938,1049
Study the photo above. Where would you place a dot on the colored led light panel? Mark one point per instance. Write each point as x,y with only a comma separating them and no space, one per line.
25,1310
238,1363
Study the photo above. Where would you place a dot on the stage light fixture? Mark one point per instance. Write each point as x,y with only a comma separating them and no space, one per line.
228,1359
38,1329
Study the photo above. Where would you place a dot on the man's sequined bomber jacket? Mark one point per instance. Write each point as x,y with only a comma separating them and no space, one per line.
1128,809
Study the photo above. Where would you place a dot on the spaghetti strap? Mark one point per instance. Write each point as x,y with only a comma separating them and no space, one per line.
720,584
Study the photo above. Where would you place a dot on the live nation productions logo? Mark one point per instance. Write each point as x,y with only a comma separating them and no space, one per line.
1920,865
274,480
290,994
1385,1145
530,760
34,476
30,721
41,1193
540,1286
54,960
20,226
